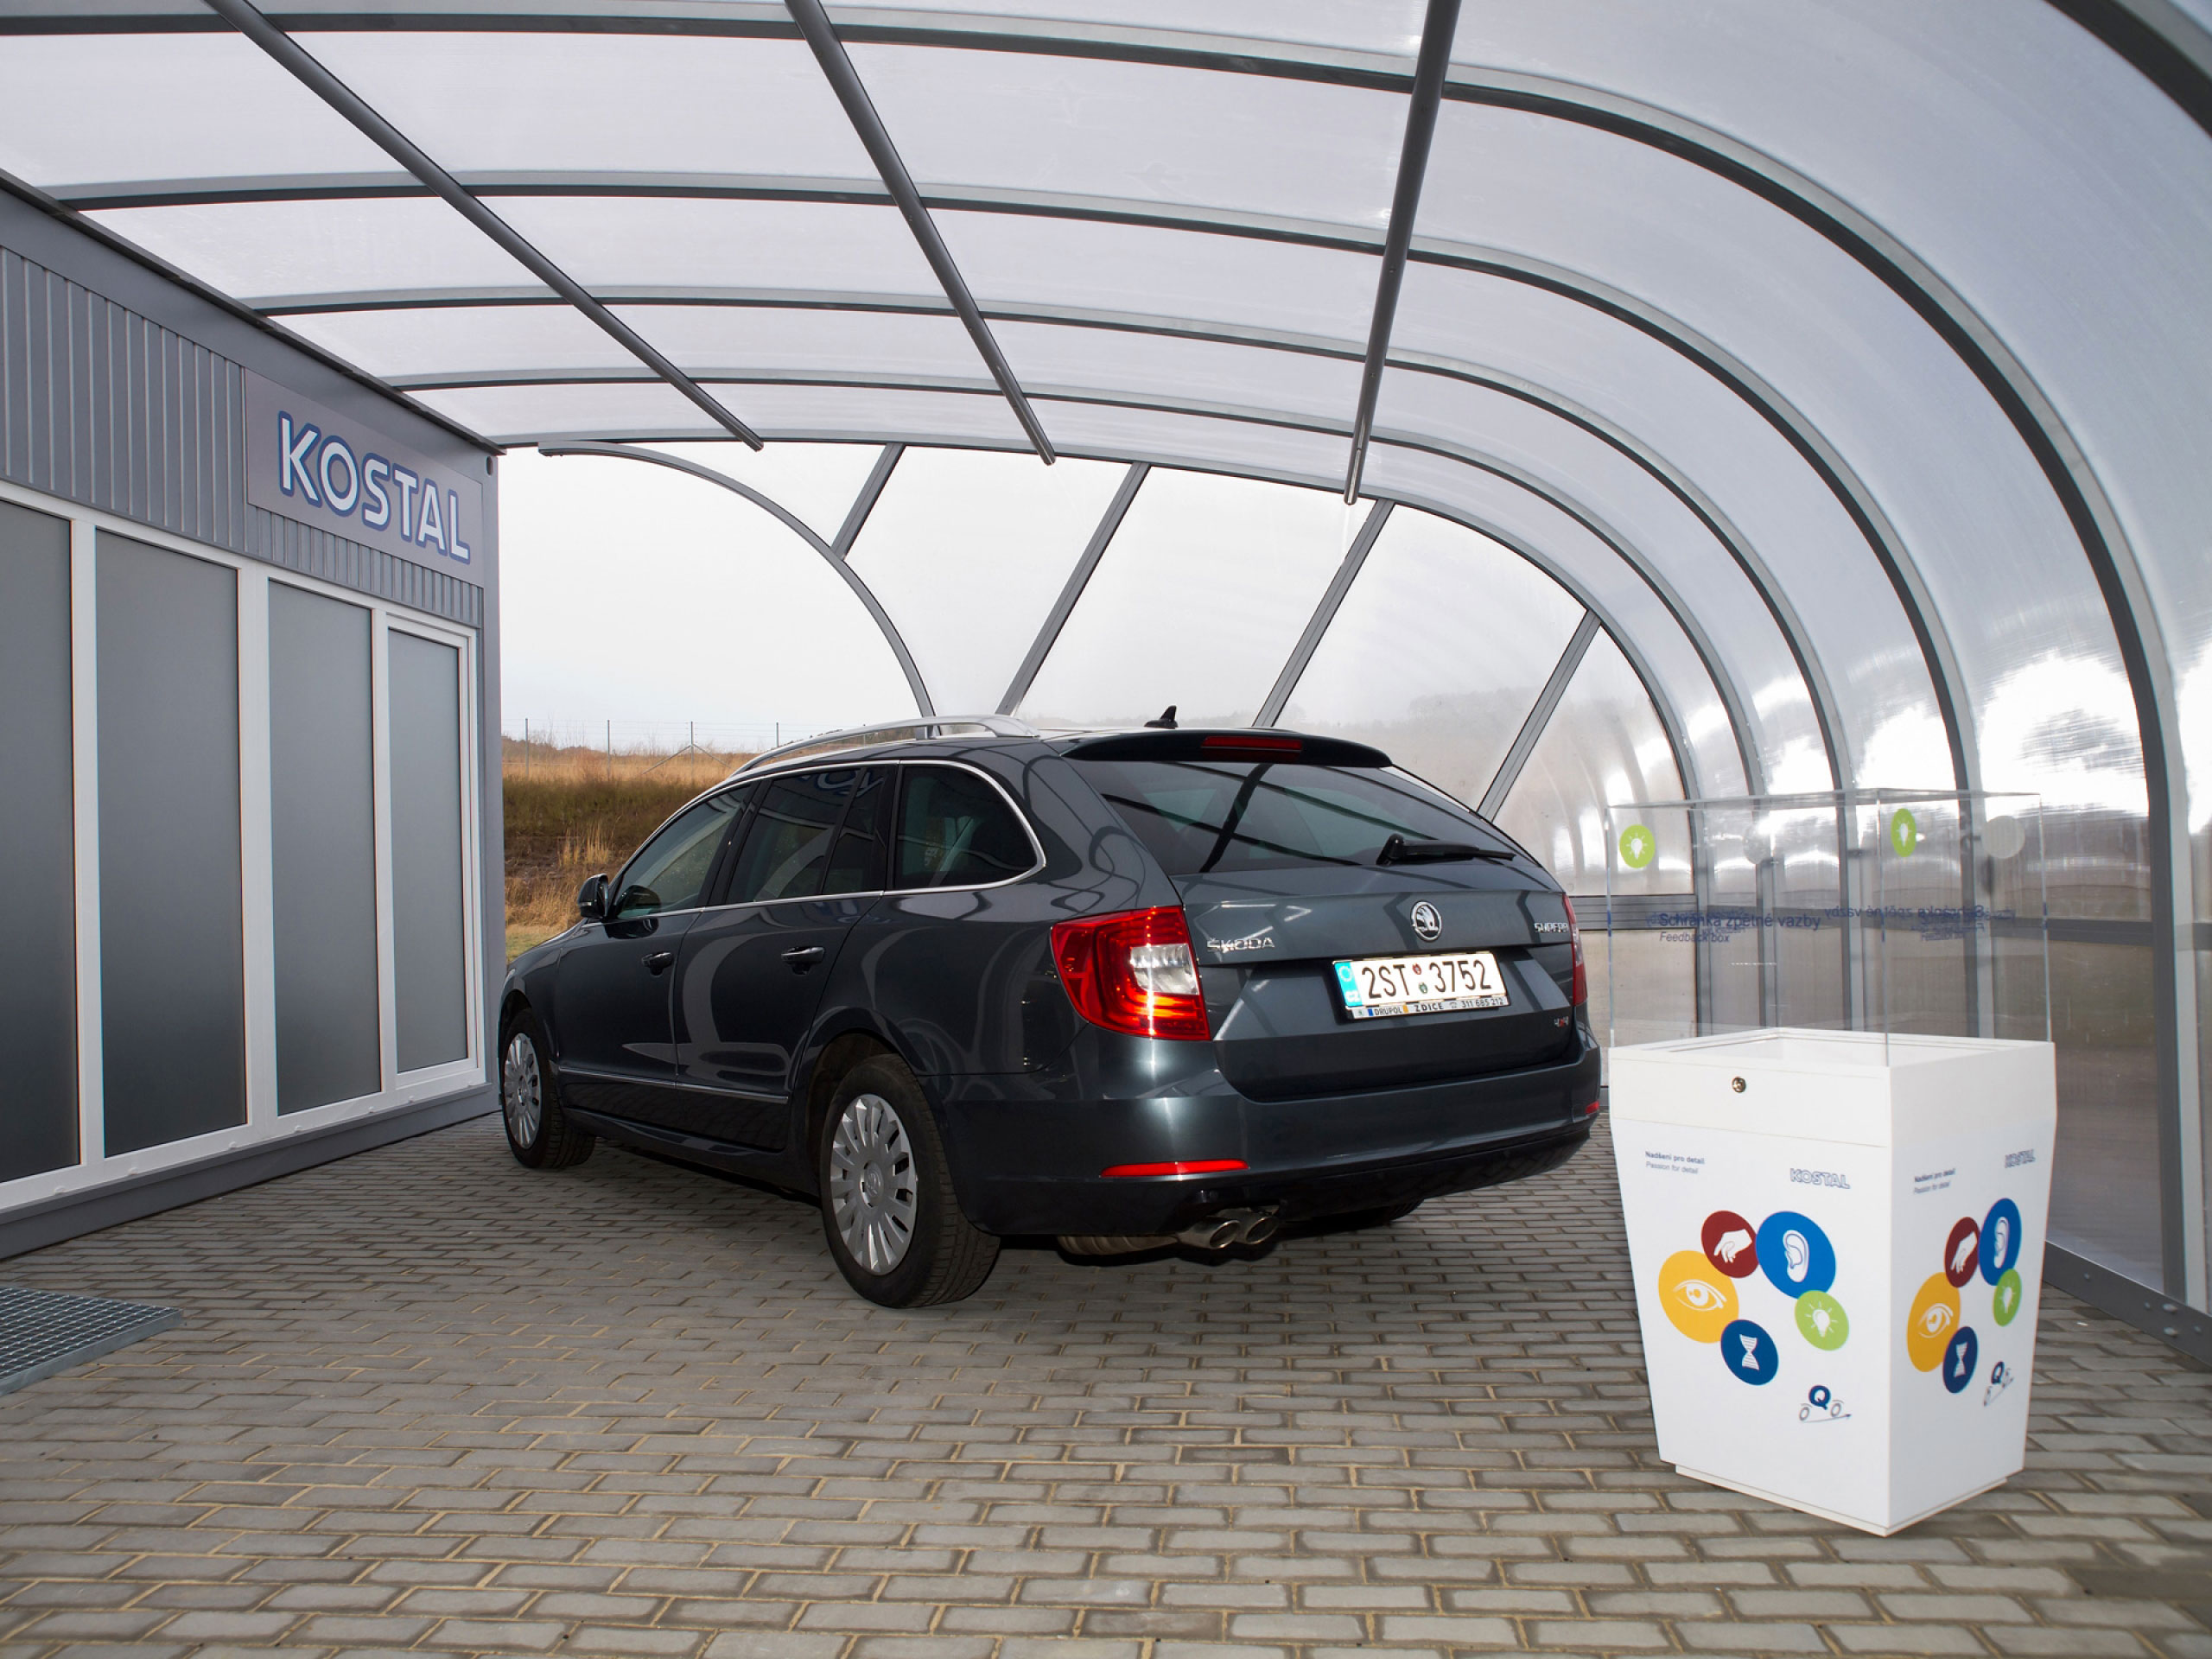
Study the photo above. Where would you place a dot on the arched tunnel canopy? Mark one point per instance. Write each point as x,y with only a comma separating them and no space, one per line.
1839,375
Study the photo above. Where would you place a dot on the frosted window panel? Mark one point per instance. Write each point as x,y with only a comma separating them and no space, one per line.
615,242
1315,459
38,948
428,917
602,102
2105,1195
322,842
1391,26
816,483
193,107
263,251
968,550
1047,357
1144,271
1437,653
1588,568
1203,591
1604,746
172,936
1091,127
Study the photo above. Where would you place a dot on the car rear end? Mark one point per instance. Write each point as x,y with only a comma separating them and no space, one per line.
1360,995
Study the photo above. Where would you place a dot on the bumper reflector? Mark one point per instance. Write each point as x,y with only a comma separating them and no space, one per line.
1197,1166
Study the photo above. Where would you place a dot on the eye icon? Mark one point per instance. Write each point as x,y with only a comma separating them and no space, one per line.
1700,1297
1933,1325
1936,1320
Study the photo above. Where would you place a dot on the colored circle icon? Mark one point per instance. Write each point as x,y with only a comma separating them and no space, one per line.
1731,1244
1821,1320
1958,1358
1700,1302
1932,1323
1638,846
1748,1352
2006,1301
1795,1254
1904,832
1961,1250
2001,1239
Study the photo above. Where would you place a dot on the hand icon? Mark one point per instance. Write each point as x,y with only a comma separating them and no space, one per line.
1733,1244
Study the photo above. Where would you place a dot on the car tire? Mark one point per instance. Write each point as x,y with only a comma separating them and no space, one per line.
539,1133
888,1210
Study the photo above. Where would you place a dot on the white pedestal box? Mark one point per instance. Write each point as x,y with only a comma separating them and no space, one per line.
1837,1239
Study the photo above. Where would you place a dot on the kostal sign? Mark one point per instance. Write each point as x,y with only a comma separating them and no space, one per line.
309,463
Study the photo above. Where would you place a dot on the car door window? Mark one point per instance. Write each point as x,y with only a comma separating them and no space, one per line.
863,849
669,871
955,831
786,847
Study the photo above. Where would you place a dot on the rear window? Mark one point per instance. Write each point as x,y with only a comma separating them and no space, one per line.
1200,816
955,831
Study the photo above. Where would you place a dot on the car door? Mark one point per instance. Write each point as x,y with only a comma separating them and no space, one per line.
751,972
612,987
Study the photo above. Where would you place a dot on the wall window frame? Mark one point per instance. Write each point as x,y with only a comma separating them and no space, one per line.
95,1168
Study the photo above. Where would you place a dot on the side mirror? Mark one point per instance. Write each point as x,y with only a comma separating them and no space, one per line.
591,899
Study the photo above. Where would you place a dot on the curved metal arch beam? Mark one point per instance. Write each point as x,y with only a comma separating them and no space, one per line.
1772,593
790,521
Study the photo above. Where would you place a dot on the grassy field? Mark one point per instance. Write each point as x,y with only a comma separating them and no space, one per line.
573,813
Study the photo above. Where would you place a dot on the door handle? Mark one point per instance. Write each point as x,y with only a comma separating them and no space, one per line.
660,960
802,956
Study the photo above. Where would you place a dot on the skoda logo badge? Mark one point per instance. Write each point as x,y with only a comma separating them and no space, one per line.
1426,921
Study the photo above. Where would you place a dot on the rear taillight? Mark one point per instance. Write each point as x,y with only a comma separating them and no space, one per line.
1133,972
1581,991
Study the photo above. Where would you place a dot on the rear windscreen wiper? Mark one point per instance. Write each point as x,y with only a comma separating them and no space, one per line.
1399,850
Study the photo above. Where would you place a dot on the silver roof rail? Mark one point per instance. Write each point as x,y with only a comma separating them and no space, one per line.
904,731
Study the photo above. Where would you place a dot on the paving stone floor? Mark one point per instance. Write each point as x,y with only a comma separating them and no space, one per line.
426,1399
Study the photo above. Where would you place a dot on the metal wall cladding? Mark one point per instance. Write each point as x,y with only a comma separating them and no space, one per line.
102,407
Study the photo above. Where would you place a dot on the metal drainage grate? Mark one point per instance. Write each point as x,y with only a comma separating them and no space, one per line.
43,1331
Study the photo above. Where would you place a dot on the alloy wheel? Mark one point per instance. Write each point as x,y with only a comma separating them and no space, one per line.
522,1091
872,1195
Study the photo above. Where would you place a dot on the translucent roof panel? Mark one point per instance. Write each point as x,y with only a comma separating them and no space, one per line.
601,102
1390,26
1205,590
267,251
1438,652
1949,470
1109,430
463,339
1047,356
1603,745
816,483
617,242
1625,602
1080,126
1611,489
210,106
1163,273
520,413
968,551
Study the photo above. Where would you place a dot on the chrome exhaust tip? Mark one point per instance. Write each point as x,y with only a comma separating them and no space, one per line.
1215,1233
1259,1229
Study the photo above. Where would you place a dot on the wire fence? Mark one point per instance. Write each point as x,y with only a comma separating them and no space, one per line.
568,748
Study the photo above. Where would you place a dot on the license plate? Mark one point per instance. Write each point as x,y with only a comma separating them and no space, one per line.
1379,987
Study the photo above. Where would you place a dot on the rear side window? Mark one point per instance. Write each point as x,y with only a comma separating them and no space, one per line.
1197,816
863,850
668,871
786,847
955,831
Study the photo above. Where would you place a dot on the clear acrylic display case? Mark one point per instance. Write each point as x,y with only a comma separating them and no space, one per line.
1908,911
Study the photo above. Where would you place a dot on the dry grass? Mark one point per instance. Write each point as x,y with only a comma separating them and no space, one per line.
573,813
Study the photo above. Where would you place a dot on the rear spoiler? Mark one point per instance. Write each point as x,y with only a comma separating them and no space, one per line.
1232,743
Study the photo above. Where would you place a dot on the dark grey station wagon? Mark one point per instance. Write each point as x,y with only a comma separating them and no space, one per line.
959,980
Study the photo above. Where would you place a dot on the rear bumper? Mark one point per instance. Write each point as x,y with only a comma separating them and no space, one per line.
1028,1151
